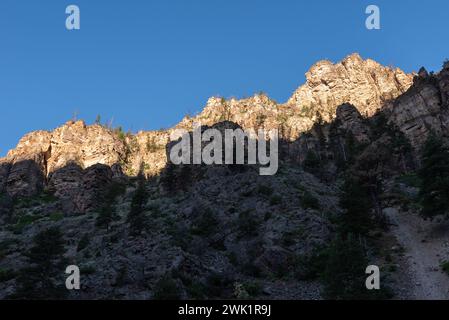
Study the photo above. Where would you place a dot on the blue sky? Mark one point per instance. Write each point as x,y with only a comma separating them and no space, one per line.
148,63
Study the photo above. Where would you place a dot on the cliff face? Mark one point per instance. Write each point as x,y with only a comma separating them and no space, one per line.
424,108
415,104
363,83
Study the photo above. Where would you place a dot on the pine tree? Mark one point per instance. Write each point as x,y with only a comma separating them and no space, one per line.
46,262
107,213
434,174
136,216
344,271
312,162
106,216
356,218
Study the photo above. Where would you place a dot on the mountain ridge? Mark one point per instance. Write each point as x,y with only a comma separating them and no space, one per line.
294,117
140,227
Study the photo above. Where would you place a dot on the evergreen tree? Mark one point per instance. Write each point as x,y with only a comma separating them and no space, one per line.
168,178
106,216
46,262
107,213
312,162
136,216
434,174
344,271
355,201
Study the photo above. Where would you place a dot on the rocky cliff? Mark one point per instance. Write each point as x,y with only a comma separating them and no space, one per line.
363,83
218,231
416,104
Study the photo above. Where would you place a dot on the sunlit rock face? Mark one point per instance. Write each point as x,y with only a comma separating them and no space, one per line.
363,83
348,91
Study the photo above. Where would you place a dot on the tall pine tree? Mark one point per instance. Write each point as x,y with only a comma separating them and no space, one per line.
355,201
46,264
434,174
136,216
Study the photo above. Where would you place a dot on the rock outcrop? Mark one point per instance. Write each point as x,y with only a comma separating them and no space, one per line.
81,190
349,119
363,83
348,92
423,108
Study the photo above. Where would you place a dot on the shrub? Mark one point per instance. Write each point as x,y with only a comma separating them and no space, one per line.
311,266
219,286
196,290
251,269
275,199
47,197
151,145
120,278
23,222
6,275
56,216
445,266
247,224
311,162
268,215
5,245
265,190
254,288
309,201
84,242
167,289
120,133
87,269
205,224
291,237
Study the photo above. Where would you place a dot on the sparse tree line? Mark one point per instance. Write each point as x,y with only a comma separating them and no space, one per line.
341,265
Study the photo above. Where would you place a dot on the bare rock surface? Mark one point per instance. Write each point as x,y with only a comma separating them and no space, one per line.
426,246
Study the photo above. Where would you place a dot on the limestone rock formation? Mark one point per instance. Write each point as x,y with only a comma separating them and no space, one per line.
363,83
416,104
423,108
349,119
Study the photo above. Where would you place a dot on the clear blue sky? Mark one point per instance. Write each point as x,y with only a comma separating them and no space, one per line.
148,63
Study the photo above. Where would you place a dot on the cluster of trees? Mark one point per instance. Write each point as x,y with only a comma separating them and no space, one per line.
434,175
136,217
343,273
342,264
44,276
177,177
108,214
